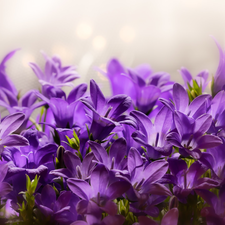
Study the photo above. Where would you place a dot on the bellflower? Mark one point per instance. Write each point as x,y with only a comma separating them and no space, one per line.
54,76
144,180
200,78
214,159
153,137
189,179
74,167
115,159
6,83
189,135
10,124
64,115
218,82
215,213
61,210
94,220
142,85
217,110
99,193
5,187
197,107
170,218
105,115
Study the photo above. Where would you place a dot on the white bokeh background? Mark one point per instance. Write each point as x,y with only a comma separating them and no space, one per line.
166,34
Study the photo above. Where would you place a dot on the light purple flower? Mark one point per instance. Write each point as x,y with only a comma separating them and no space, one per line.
54,76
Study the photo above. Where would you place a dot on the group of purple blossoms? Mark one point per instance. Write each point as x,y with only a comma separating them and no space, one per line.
153,153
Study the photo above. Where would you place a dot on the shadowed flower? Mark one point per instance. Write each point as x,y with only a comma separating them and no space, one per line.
7,127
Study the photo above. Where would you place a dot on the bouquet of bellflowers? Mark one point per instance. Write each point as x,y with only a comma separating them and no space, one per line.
152,153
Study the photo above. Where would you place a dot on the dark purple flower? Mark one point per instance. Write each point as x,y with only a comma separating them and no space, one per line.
215,213
170,218
214,159
5,187
54,76
10,124
94,220
100,193
189,179
61,210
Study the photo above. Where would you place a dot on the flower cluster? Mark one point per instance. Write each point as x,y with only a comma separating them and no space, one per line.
152,153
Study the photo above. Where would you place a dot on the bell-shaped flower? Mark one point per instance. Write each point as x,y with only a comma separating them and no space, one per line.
33,159
10,124
142,85
170,218
61,210
94,220
54,76
64,115
188,179
144,180
218,82
74,168
6,83
153,136
189,134
100,193
201,78
105,115
217,110
215,213
5,187
214,159
115,158
197,107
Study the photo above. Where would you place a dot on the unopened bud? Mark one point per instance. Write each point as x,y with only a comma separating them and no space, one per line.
173,203
59,155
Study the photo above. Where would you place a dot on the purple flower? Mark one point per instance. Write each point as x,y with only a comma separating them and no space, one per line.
94,220
153,137
61,210
218,82
142,85
74,167
189,179
106,115
55,76
214,159
100,193
215,213
6,83
5,187
201,78
64,115
170,218
10,124
115,159
197,107
189,135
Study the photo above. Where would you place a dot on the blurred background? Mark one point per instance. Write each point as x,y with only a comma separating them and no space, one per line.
165,34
